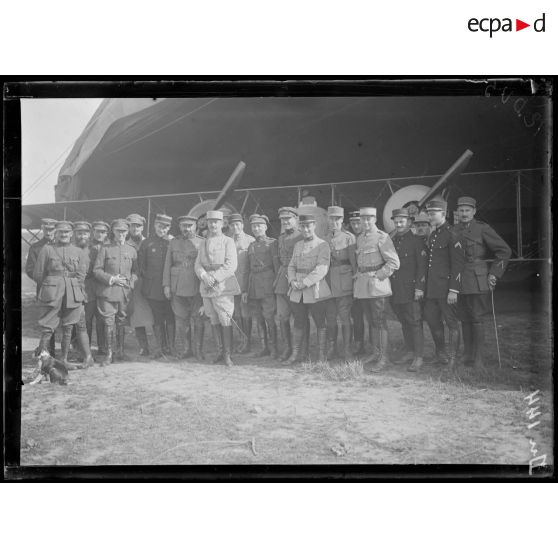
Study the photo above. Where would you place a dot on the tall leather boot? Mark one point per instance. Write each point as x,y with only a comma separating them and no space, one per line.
65,346
218,338
418,346
262,329
180,342
227,345
408,355
358,333
89,329
375,356
189,348
118,351
453,346
199,330
101,339
52,345
440,344
468,343
478,338
346,334
73,352
322,344
158,334
272,338
285,326
168,339
83,342
332,333
247,343
298,334
382,361
304,353
141,336
121,334
109,344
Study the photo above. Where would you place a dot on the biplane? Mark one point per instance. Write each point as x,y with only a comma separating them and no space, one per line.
174,155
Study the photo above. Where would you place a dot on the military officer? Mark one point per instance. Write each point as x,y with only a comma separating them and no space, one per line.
99,238
340,278
216,266
139,311
357,310
60,273
408,284
376,261
421,225
182,287
151,261
479,241
242,241
47,230
309,290
116,268
285,244
446,260
262,266
82,238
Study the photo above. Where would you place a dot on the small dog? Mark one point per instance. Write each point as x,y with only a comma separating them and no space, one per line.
48,367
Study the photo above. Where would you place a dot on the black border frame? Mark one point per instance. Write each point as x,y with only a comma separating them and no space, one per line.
18,87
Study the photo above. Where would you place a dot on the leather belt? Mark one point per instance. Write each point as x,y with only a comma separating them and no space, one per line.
212,267
301,270
367,268
261,269
70,274
336,263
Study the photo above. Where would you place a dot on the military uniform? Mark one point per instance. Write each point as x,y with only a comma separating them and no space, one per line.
309,265
217,259
410,277
262,266
479,241
445,269
151,261
376,261
241,313
112,299
140,315
60,274
180,277
91,310
285,246
357,309
340,278
80,334
32,255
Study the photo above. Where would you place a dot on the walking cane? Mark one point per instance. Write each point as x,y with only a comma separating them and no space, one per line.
233,321
495,328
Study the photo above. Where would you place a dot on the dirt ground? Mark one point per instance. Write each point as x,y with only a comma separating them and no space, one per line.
258,412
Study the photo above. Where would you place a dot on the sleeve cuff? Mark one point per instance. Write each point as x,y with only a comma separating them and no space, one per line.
453,291
111,280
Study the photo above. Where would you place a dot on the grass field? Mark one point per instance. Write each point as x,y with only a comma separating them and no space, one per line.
183,412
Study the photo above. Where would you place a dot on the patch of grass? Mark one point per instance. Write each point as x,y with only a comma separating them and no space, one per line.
344,371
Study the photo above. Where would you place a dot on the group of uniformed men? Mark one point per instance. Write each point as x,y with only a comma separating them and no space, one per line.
426,268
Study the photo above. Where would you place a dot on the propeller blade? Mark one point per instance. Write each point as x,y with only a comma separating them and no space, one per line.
229,187
457,168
